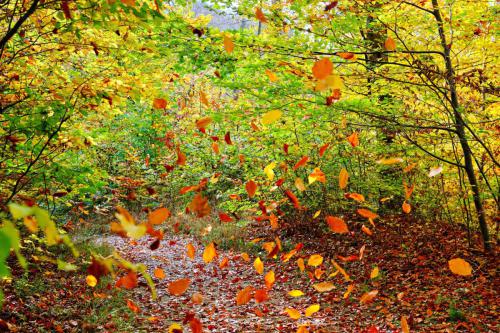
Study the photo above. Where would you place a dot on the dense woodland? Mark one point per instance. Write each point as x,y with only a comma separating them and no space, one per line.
316,166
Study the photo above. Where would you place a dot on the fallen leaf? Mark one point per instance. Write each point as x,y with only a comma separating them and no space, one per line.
460,267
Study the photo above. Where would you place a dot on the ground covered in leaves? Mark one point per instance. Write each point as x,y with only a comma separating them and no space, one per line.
413,282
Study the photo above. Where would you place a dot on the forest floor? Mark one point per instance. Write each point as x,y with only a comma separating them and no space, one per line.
414,282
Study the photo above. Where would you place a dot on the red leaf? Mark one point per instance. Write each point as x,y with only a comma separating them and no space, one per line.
225,218
280,182
227,138
302,162
285,148
292,198
65,9
251,187
323,149
195,325
331,5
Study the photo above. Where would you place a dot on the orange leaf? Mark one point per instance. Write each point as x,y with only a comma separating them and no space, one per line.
367,213
460,267
390,44
178,287
159,273
228,44
197,298
190,251
337,225
225,218
353,139
158,216
272,77
301,163
132,306
224,262
300,264
260,15
269,279
323,149
315,260
195,325
199,205
356,196
366,230
181,157
292,313
159,103
347,55
317,175
406,207
322,68
209,253
323,286
368,297
251,188
343,178
405,328
261,295
203,98
215,148
292,198
128,281
203,122
244,296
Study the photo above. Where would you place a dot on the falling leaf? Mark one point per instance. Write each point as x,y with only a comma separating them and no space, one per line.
292,198
228,44
301,162
435,171
302,329
132,306
317,175
349,290
355,196
295,293
316,214
460,267
341,270
366,230
315,260
322,68
269,279
158,216
195,325
367,213
227,138
129,281
374,273
178,287
261,295
323,286
128,225
224,263
258,265
292,313
323,149
368,297
337,225
197,298
272,77
175,328
181,157
271,116
251,187
260,15
347,55
159,103
190,251
199,205
268,170
343,178
405,328
390,44
244,296
406,207
390,161
204,99
300,264
225,218
209,253
159,273
91,281
353,139
312,309
245,256
299,184
203,123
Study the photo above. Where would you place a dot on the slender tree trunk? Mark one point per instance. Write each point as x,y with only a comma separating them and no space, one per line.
460,130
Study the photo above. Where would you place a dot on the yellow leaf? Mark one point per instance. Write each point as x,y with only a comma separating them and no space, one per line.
460,267
128,224
316,214
295,293
343,178
315,260
292,313
299,184
175,328
271,116
334,82
317,175
302,329
312,309
228,44
91,280
374,273
258,265
209,253
269,279
323,286
405,328
268,170
389,161
349,290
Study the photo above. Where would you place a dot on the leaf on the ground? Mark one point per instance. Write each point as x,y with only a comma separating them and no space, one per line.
323,286
295,293
159,273
315,260
91,280
292,313
368,297
312,309
460,267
